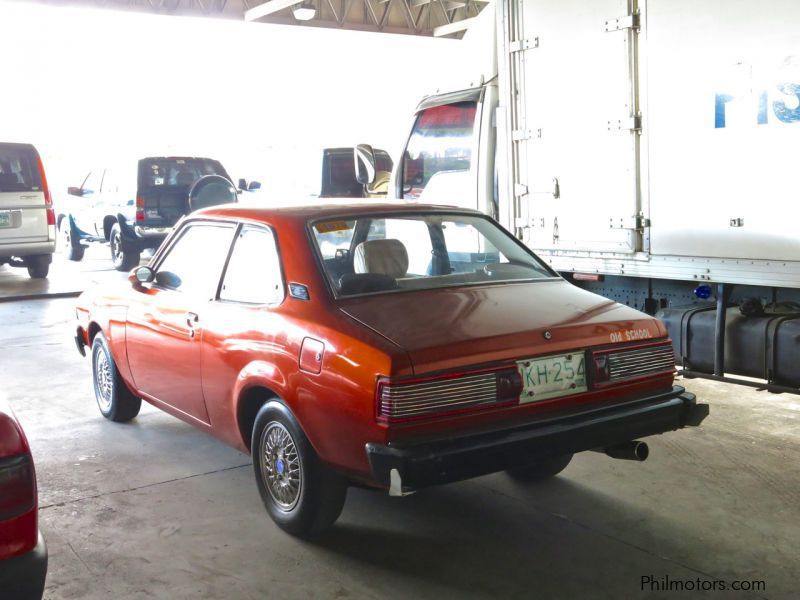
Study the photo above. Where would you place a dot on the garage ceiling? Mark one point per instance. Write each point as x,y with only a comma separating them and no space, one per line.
414,17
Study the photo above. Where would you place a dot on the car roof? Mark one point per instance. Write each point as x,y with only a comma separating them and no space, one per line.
340,207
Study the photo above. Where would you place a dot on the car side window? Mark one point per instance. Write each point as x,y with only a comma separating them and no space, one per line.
194,262
109,182
253,275
91,185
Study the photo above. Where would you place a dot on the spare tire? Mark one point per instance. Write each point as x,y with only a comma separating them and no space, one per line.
211,190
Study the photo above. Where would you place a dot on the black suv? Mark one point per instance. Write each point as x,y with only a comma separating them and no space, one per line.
135,211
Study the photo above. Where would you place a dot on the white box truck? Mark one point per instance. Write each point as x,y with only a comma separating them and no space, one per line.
648,150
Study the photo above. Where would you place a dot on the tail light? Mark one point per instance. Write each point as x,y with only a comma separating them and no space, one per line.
448,394
48,199
17,486
139,208
638,362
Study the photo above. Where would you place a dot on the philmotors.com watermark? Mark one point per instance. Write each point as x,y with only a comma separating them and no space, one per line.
651,583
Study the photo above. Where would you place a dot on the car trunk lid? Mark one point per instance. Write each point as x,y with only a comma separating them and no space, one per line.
457,327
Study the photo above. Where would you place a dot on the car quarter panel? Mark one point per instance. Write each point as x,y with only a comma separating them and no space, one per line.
108,312
246,346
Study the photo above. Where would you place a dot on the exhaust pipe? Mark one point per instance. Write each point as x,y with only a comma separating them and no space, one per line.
633,450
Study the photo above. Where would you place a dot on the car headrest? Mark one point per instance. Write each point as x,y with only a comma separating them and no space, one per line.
387,257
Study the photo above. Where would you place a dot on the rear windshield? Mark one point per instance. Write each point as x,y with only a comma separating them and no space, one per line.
19,169
387,253
180,172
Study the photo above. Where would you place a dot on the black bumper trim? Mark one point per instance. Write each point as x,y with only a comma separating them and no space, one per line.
23,577
442,461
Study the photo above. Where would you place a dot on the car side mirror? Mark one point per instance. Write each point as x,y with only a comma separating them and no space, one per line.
168,279
254,185
74,191
141,275
242,184
364,159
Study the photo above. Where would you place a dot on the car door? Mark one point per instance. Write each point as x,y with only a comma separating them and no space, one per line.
243,323
83,202
165,321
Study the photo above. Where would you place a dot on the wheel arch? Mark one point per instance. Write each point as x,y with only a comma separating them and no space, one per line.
93,329
108,223
250,403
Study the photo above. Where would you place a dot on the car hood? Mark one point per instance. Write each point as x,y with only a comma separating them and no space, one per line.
455,327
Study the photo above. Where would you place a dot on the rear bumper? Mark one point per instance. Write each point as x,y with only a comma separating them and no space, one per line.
139,237
23,577
454,459
23,249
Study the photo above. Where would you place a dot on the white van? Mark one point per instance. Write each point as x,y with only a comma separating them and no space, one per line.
27,219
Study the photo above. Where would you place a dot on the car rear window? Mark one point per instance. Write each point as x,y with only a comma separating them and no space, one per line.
395,252
19,169
176,172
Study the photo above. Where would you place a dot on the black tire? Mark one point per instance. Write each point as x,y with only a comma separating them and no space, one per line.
541,469
115,401
315,501
72,248
38,266
124,259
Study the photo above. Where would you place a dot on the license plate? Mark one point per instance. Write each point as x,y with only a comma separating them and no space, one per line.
5,218
552,376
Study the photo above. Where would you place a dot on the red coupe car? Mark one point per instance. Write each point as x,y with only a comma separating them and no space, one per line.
382,345
23,553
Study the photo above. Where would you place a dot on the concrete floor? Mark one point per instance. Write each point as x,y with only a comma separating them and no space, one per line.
66,278
156,509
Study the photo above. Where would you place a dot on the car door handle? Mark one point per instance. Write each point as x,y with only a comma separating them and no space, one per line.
191,319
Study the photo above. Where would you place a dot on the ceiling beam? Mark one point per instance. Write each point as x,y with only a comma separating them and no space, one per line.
268,8
455,27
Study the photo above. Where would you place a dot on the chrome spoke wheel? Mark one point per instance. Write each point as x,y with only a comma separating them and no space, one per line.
66,238
103,381
116,247
280,466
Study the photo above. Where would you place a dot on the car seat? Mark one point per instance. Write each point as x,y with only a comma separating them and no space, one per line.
377,265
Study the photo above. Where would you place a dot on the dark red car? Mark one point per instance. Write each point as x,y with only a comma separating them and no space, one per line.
23,553
383,345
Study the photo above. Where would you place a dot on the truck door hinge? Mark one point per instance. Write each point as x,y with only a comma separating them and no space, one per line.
632,124
631,21
520,135
521,45
636,223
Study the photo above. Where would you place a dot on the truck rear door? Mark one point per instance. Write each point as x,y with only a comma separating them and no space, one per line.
723,124
574,120
23,215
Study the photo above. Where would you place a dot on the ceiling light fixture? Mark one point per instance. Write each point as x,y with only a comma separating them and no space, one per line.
304,11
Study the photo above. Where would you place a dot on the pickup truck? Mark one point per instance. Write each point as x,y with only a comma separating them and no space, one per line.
135,211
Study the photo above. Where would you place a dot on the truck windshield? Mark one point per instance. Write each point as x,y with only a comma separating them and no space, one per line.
441,141
388,253
161,171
